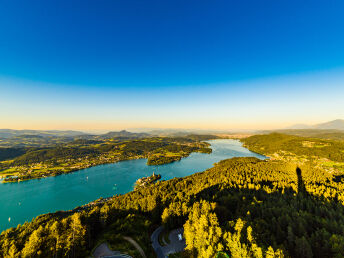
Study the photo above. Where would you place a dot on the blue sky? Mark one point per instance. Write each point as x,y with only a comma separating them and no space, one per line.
108,65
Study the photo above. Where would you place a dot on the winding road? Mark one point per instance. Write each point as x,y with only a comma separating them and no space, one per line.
174,246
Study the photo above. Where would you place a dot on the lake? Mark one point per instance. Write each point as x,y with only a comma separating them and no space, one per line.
25,200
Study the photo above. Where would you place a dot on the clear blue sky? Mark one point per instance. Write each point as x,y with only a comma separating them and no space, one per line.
184,64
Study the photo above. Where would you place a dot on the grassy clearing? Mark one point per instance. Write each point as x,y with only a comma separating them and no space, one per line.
339,166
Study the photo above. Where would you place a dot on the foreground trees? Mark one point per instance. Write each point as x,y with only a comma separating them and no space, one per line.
202,230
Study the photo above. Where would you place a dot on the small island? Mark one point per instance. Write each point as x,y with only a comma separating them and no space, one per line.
146,181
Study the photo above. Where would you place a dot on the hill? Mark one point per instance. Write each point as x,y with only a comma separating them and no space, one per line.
123,134
335,124
311,148
326,134
326,154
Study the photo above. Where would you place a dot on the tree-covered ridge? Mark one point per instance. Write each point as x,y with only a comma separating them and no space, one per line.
10,153
301,146
326,134
327,154
27,163
242,206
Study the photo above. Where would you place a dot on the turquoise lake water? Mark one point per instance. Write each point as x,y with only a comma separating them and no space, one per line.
25,200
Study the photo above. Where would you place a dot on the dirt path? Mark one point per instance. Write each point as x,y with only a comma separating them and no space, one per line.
137,246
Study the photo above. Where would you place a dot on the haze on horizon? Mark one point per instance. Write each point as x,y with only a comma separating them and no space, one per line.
112,65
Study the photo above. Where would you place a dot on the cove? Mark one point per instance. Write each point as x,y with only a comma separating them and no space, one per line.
25,200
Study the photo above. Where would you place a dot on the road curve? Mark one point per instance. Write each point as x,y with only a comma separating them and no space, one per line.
155,242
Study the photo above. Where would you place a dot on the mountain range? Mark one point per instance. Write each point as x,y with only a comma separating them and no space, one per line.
8,133
337,124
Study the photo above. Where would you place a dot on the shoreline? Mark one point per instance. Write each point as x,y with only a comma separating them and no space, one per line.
111,193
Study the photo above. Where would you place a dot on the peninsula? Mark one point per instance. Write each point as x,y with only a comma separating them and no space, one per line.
24,162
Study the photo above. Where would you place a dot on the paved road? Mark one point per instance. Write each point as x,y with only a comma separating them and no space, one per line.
174,246
102,250
155,242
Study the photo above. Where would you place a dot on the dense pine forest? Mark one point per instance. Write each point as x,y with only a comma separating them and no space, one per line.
242,206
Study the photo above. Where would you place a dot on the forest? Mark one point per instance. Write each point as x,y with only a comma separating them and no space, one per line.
244,207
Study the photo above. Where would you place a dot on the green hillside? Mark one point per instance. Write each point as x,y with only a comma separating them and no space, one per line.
326,154
326,134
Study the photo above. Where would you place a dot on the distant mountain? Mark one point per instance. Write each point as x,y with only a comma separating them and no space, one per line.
170,132
186,132
8,133
123,134
299,126
334,125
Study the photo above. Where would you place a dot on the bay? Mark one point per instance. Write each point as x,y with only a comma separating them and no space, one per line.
20,202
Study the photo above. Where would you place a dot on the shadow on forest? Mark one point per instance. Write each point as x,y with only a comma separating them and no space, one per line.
297,221
301,188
